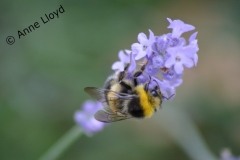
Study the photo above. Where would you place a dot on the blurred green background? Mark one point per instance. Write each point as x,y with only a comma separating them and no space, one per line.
43,75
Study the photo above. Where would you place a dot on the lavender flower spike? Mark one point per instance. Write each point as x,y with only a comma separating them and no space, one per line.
166,55
85,117
226,155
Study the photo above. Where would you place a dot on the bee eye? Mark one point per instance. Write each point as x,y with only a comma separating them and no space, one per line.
154,93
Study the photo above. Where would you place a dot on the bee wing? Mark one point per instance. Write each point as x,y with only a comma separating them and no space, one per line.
106,115
99,94
96,93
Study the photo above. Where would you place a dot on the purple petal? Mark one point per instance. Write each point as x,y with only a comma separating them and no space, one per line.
176,82
132,66
149,53
123,57
181,42
128,51
140,55
171,74
151,70
178,67
173,50
161,44
179,27
195,59
227,155
169,20
188,62
194,45
79,116
136,47
158,62
170,62
189,50
88,106
167,90
192,37
151,36
85,117
118,66
142,38
171,92
143,78
94,126
150,43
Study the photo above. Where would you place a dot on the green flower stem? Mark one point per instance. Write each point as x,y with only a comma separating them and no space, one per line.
179,126
62,144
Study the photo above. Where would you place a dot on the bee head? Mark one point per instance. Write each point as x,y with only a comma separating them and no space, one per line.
154,94
153,91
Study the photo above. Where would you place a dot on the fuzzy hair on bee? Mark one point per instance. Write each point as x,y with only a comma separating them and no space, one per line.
124,98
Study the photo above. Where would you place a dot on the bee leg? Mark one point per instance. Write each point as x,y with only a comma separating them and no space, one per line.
123,73
121,77
146,85
167,98
138,73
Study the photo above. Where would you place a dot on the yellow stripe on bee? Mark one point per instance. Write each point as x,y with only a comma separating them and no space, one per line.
147,107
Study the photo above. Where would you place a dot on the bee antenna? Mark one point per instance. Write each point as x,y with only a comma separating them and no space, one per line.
168,97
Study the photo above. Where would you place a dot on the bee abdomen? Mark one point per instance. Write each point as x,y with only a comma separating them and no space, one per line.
134,108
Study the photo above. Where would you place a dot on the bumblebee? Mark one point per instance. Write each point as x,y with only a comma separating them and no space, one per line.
123,98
